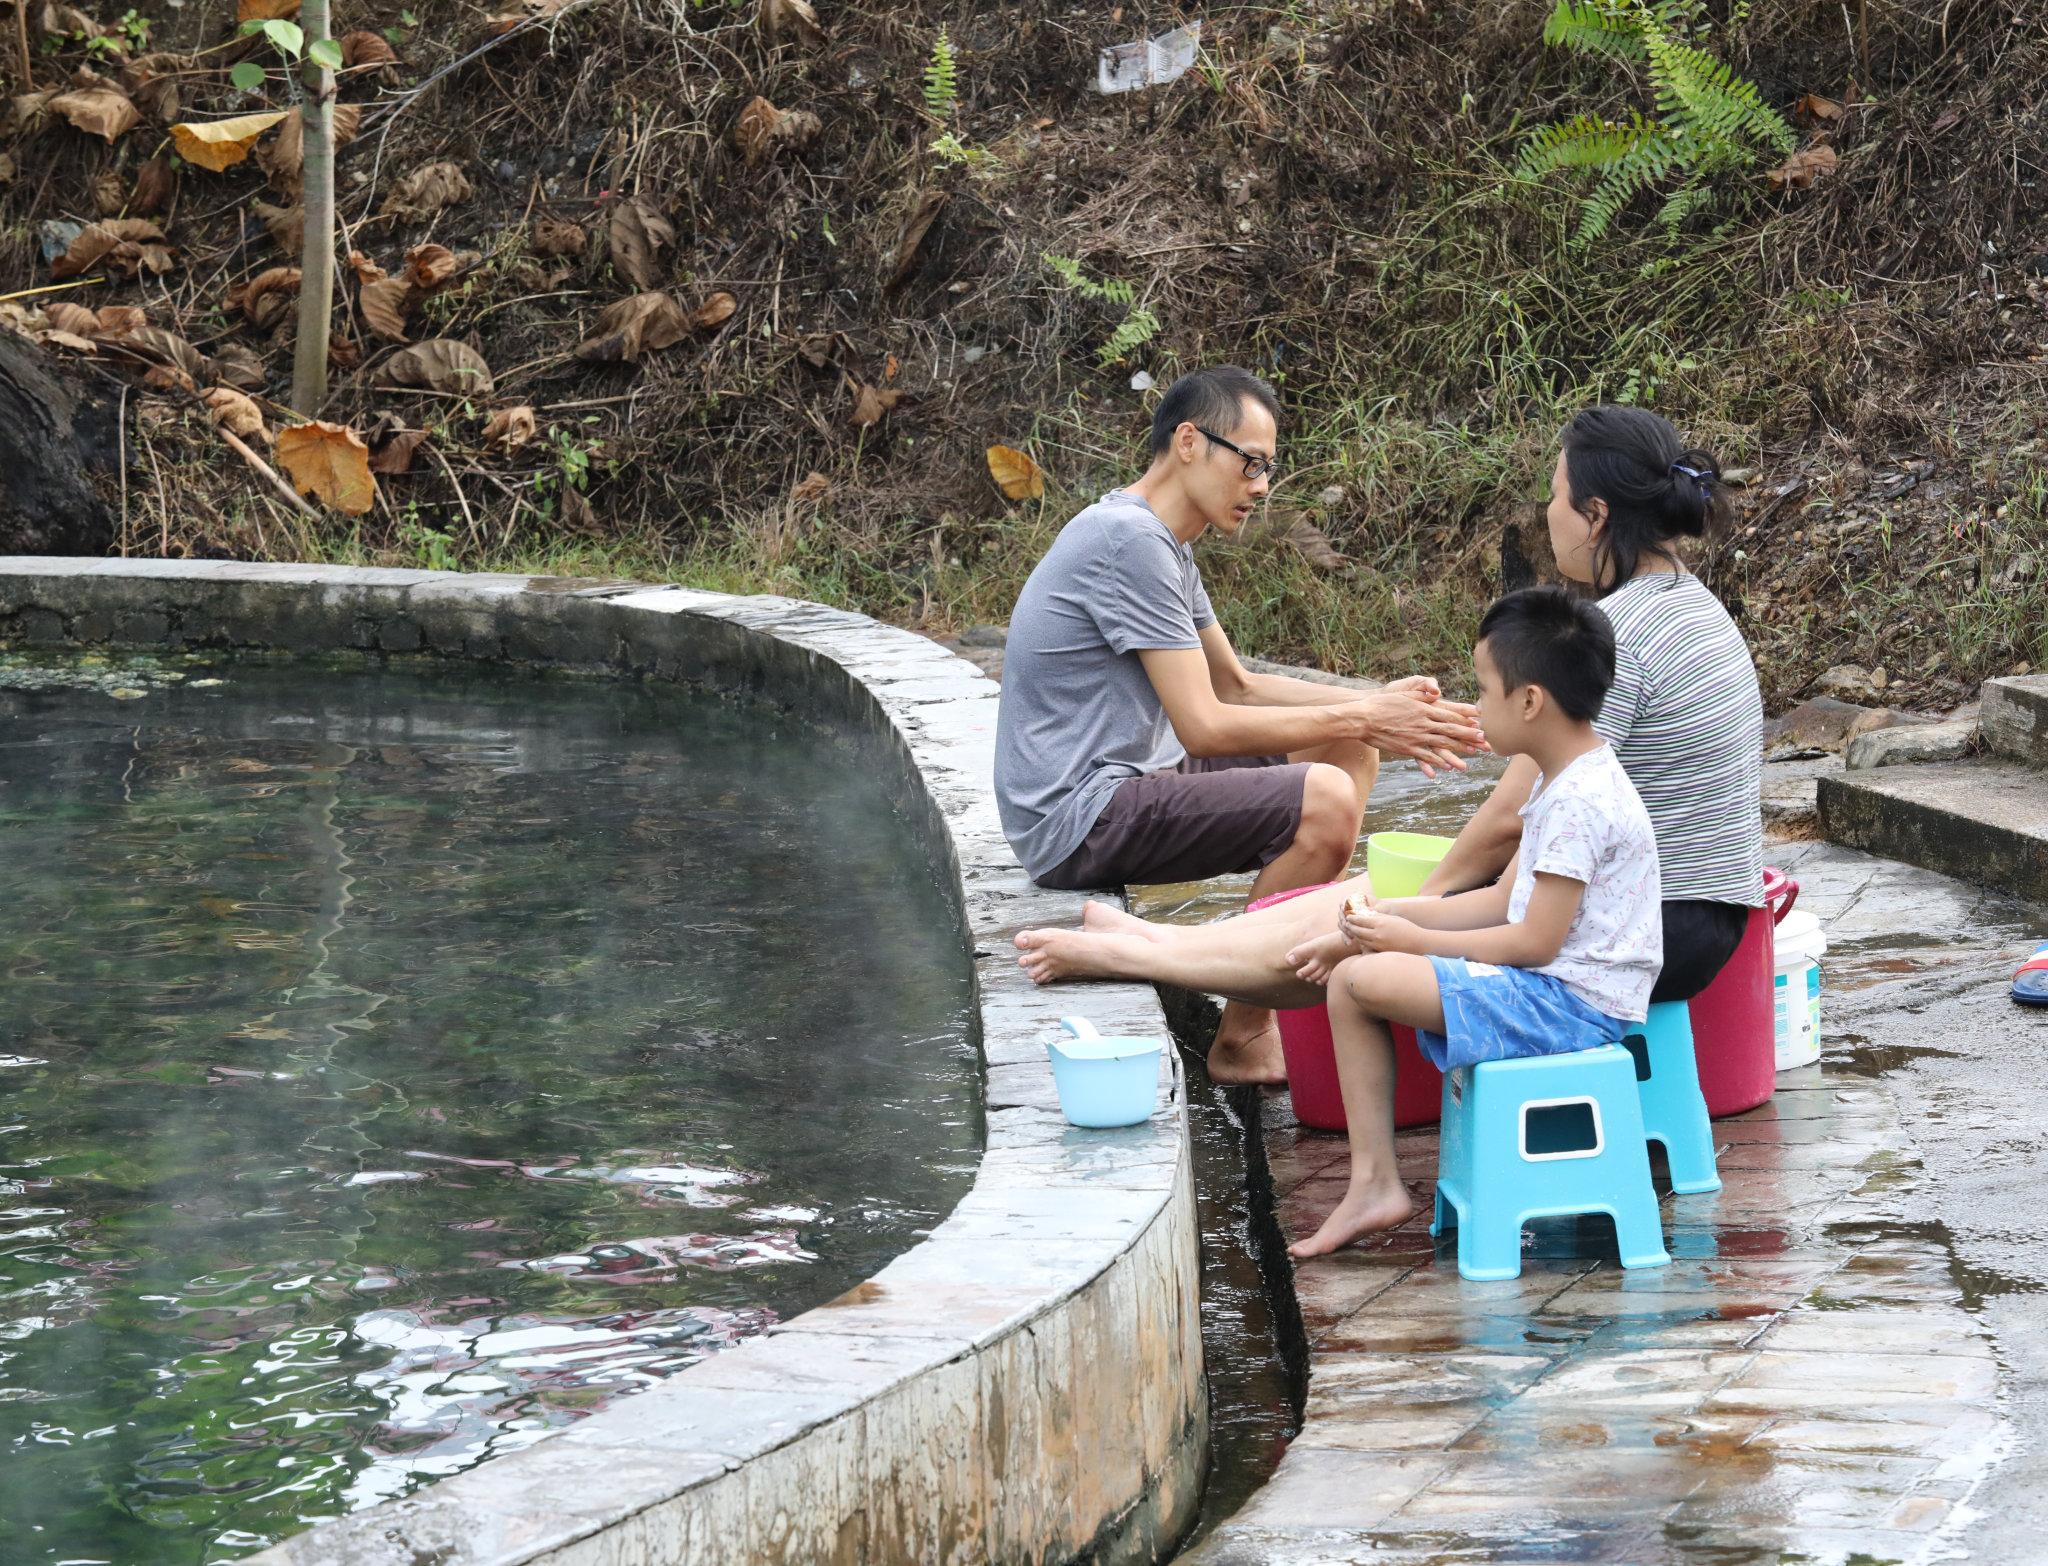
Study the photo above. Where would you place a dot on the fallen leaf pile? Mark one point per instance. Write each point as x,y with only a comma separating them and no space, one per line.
425,191
127,245
441,364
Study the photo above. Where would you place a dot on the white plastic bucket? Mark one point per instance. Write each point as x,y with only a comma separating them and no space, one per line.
1795,989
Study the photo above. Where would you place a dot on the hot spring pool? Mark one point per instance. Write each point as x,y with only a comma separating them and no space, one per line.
402,1062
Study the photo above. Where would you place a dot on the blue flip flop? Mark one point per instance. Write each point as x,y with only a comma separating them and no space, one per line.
2030,983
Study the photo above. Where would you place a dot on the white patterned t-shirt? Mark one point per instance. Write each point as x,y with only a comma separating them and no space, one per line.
1589,825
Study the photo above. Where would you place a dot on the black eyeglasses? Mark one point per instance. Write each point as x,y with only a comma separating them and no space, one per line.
1254,466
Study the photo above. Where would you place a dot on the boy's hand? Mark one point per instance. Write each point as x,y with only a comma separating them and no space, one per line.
1374,931
1315,960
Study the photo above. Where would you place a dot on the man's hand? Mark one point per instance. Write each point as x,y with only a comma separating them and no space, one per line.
1374,931
1427,729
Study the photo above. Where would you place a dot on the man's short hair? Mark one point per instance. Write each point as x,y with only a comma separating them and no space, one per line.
1544,636
1211,399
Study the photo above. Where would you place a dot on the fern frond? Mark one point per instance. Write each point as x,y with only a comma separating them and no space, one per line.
1589,27
942,78
1138,328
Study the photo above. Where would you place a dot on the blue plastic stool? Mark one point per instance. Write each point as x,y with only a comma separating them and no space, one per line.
1544,1137
1674,1109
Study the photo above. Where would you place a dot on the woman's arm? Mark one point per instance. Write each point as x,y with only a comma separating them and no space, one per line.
1489,840
1530,943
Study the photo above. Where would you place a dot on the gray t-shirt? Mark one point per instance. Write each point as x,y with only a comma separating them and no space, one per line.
1079,714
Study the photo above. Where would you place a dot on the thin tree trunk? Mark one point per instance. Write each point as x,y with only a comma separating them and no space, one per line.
316,283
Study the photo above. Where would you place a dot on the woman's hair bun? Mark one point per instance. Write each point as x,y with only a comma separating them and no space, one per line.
1655,488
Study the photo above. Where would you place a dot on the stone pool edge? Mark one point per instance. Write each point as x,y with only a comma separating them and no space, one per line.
1024,1385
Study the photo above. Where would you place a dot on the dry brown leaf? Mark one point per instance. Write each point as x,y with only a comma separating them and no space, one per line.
64,21
166,349
811,487
1015,473
237,365
794,131
385,305
342,354
155,184
26,111
427,267
1799,171
1813,107
789,19
162,377
98,111
75,319
870,403
109,194
442,364
822,348
267,297
366,49
554,237
426,191
889,368
930,203
510,428
220,144
56,337
714,311
1310,542
330,463
391,444
283,161
639,232
265,10
632,327
750,131
120,320
366,270
286,226
236,414
126,244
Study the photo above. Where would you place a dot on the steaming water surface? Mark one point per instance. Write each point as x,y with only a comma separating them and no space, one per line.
400,1063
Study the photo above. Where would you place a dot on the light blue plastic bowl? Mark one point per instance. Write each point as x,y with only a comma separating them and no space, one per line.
1104,1081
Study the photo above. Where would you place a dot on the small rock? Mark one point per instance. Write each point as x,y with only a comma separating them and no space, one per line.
1907,745
1821,724
1331,495
1852,682
985,636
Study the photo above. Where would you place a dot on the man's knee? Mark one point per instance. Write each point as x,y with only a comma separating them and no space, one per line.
1329,809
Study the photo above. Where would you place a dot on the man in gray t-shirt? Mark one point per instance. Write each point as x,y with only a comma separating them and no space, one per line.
1134,747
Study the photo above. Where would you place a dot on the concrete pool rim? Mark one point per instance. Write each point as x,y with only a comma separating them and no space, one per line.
1026,1384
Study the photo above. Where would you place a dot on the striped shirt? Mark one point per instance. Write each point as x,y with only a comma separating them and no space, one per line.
1685,719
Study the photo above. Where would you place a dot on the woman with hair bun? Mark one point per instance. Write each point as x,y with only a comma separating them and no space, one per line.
1684,715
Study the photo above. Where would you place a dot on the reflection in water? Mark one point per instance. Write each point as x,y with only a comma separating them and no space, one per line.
398,1065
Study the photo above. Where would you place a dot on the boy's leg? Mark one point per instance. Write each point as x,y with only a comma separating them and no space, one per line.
1365,993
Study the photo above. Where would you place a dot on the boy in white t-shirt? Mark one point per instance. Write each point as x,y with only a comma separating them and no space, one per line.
1559,955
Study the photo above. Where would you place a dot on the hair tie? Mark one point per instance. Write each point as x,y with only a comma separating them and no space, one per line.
1698,476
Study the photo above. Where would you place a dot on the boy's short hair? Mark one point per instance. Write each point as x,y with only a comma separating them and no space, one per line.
1544,636
1211,399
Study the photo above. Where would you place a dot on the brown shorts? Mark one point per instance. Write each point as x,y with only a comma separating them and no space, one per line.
1213,816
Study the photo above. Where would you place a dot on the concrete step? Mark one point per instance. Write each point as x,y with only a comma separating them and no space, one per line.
2014,718
1983,821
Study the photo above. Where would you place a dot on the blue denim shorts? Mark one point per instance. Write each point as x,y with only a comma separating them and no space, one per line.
1506,1013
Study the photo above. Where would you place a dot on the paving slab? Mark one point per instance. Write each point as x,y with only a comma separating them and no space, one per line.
1810,1379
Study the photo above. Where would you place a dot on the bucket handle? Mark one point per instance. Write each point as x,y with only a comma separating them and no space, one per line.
1779,885
1080,1027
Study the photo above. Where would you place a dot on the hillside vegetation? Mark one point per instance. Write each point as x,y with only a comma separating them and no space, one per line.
889,239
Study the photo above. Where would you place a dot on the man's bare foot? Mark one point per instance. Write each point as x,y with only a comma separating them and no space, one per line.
1362,1212
1238,1056
1103,919
1052,955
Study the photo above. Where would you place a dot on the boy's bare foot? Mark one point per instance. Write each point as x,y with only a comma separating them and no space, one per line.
1102,919
1362,1212
1052,955
1247,1047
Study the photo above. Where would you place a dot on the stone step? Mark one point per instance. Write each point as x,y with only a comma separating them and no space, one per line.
1982,821
2014,718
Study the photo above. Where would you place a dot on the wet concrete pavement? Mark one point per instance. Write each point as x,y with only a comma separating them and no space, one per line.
1846,1361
